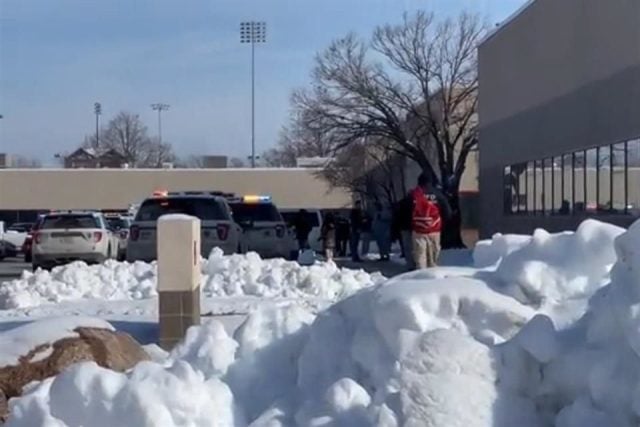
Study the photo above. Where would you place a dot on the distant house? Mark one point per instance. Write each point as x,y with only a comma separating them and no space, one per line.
91,158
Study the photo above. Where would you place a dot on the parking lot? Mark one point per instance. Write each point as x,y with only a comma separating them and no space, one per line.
11,268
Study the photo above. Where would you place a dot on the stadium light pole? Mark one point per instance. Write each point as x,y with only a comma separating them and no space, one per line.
159,107
97,109
253,32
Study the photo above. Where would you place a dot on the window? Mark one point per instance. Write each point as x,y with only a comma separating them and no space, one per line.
202,208
69,221
633,177
250,212
618,183
602,180
566,185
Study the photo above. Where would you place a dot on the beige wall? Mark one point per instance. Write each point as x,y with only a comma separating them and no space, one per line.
553,48
117,188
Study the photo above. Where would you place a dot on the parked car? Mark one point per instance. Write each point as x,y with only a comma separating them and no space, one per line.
120,225
264,229
72,236
16,233
217,226
7,250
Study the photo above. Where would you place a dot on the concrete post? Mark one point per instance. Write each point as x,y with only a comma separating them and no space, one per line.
178,276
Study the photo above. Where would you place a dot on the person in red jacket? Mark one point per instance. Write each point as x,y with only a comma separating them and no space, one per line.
426,226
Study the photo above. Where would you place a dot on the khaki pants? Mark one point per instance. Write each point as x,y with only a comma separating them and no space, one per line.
328,254
426,249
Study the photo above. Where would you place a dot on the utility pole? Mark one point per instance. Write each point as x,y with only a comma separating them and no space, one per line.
97,109
159,107
253,32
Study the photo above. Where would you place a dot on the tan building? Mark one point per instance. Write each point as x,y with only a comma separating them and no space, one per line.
43,189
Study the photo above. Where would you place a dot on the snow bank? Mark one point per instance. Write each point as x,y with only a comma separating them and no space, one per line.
20,341
444,347
286,366
587,374
555,273
149,395
235,275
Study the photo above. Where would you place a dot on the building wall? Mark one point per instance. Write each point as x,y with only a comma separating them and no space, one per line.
562,75
22,189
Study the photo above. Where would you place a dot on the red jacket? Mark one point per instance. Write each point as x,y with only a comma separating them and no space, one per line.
426,213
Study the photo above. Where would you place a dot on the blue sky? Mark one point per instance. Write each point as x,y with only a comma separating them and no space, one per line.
57,57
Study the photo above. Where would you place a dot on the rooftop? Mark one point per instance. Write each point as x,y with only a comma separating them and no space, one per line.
507,21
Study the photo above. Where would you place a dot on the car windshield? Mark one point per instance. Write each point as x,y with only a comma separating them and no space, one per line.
203,208
69,221
118,223
250,212
311,217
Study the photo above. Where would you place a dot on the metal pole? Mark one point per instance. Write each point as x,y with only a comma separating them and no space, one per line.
253,99
97,130
160,125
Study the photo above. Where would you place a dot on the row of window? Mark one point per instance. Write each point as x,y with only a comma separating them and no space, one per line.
600,180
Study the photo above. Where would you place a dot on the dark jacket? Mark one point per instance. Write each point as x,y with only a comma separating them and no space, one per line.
404,213
356,220
302,227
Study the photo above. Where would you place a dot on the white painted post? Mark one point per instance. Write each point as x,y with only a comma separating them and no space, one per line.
178,276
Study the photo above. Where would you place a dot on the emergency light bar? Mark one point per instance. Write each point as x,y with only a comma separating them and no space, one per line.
256,199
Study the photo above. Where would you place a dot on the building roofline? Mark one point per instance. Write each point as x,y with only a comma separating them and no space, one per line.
506,22
169,170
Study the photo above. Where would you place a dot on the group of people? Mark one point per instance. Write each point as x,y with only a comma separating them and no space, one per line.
416,222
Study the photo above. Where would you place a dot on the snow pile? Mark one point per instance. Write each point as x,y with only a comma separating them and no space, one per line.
284,366
76,281
20,341
447,347
555,273
586,374
235,275
149,395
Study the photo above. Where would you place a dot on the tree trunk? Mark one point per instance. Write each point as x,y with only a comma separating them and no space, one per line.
451,237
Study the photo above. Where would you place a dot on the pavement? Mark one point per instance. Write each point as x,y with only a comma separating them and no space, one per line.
12,268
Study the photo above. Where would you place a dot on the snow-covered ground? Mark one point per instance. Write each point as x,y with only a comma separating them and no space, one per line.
540,331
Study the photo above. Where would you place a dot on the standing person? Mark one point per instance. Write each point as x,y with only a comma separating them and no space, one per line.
426,223
366,233
342,235
328,236
356,230
395,228
303,229
382,230
404,221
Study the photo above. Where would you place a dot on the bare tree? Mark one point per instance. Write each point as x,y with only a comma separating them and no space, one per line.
298,140
367,172
192,162
414,87
127,135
